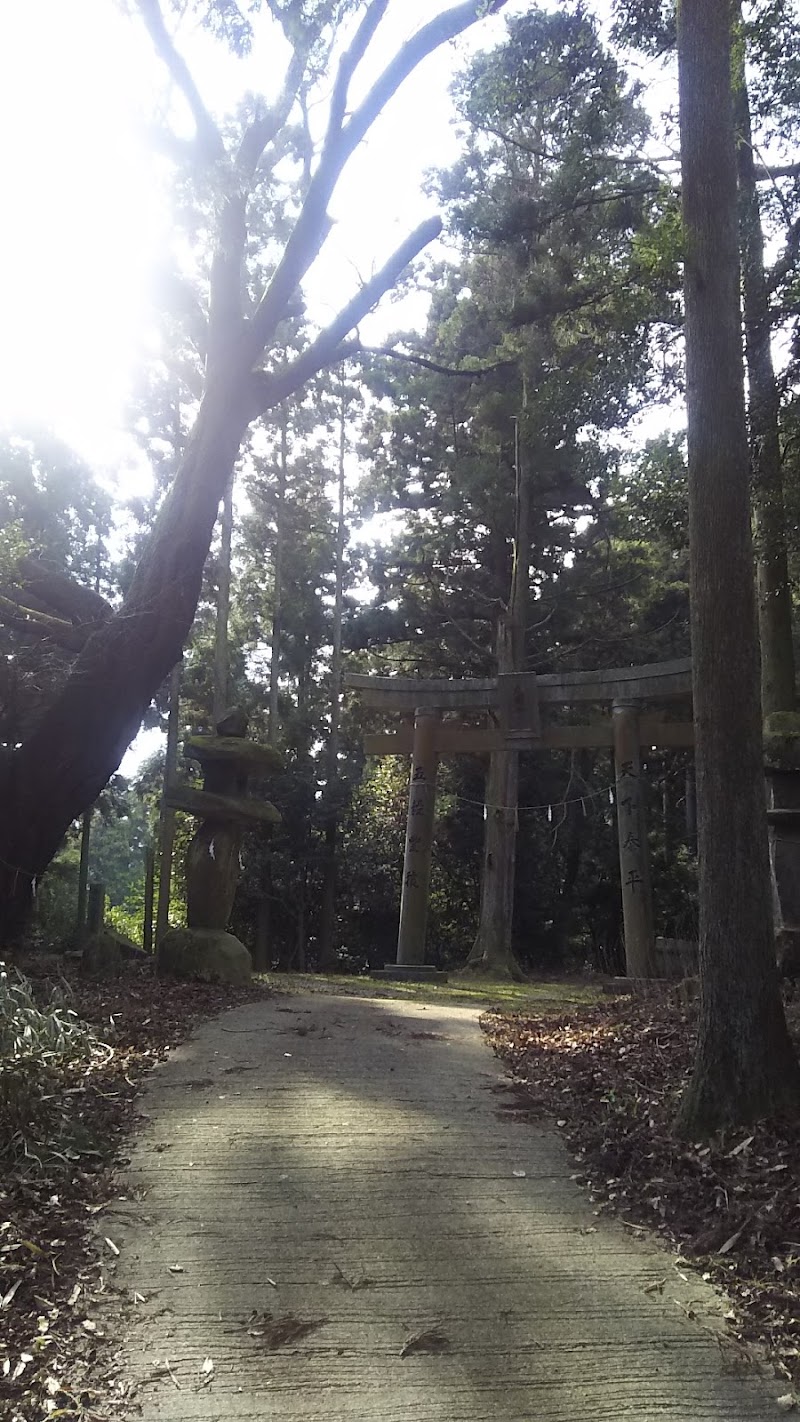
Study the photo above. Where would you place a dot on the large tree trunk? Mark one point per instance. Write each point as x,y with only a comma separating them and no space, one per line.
772,564
65,763
745,1066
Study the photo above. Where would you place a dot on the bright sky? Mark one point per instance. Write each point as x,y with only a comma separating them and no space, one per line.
85,216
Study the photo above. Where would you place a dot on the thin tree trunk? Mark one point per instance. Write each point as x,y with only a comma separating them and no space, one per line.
83,876
166,834
261,947
690,809
221,650
574,832
149,888
772,563
298,954
745,1066
327,932
492,951
277,579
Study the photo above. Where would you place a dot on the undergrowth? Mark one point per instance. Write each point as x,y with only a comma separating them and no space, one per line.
41,1046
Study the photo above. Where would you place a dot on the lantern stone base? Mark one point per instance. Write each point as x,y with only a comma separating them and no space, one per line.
409,973
205,954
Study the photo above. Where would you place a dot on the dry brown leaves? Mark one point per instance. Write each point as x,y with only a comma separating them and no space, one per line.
611,1076
54,1358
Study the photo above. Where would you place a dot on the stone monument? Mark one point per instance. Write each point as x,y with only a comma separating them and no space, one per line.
204,949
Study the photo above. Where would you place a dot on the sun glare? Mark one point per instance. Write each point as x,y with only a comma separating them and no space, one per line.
80,222
86,216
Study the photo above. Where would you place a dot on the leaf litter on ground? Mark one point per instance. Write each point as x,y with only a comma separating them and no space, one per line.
52,1264
611,1075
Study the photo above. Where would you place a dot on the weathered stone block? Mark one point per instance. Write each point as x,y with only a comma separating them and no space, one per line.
102,955
675,957
207,954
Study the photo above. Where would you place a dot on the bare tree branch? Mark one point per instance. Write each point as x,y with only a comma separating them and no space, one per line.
350,61
465,372
40,624
432,36
264,130
270,389
767,173
207,132
59,592
311,228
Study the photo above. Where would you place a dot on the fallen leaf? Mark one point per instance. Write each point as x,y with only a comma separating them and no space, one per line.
737,1150
734,1238
8,1296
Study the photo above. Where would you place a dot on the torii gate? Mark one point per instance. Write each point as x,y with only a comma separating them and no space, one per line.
518,704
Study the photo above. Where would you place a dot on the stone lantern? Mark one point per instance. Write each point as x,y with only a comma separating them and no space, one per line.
204,949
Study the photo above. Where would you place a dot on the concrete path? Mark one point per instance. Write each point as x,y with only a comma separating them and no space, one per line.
336,1211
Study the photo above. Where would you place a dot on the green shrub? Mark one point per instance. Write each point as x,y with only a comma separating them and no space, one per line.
39,1048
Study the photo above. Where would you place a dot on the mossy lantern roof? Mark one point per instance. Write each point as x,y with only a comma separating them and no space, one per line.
234,751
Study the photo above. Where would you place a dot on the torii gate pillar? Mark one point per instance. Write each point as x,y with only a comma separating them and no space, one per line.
419,839
634,860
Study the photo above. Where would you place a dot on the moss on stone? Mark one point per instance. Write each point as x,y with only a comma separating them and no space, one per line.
225,808
782,741
253,756
206,954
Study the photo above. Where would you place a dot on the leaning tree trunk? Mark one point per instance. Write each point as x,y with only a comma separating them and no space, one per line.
745,1066
61,768
69,757
772,563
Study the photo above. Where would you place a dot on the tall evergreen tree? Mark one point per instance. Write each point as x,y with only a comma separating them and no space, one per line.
745,1065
